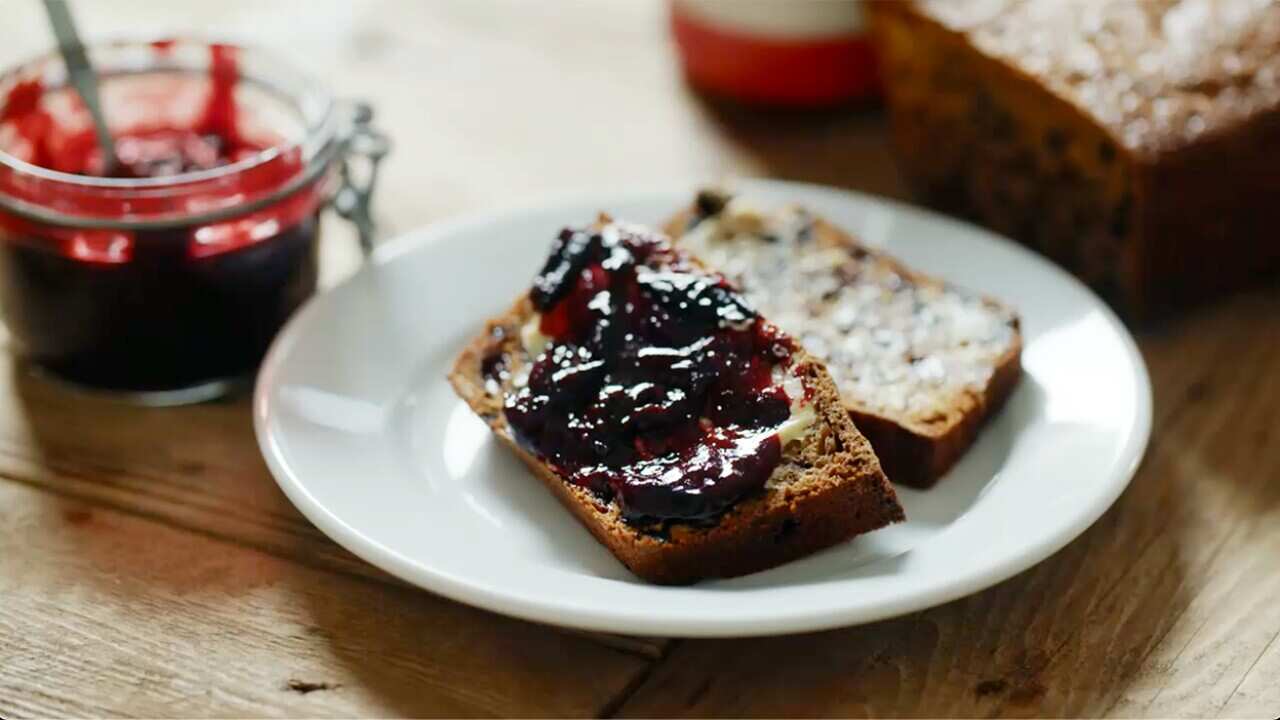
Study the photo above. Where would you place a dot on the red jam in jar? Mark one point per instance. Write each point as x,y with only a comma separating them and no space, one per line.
171,273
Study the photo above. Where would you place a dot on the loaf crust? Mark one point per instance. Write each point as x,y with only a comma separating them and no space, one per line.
1141,159
828,488
914,448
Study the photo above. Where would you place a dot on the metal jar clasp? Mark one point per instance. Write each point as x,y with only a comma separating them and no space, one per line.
363,148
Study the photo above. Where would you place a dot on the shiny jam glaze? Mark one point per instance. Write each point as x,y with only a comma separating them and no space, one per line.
153,309
657,388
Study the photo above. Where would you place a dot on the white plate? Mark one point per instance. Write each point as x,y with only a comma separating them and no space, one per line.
363,433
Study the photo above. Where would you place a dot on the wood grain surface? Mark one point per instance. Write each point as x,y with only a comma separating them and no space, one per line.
150,567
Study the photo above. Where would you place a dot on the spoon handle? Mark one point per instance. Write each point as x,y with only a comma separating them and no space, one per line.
82,76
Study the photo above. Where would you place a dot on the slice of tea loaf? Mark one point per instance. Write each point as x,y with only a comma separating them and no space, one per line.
689,435
919,363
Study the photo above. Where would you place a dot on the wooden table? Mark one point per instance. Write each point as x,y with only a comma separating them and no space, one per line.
150,567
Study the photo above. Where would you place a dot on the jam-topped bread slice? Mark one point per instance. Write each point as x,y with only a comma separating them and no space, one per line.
919,363
688,434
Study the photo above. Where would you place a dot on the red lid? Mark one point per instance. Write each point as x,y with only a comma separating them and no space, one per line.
801,53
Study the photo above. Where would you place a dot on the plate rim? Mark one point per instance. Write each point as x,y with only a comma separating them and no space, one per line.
447,584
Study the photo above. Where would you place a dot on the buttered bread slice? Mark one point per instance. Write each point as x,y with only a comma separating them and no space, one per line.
919,364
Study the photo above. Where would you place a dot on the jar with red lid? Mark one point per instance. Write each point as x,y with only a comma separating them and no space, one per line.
165,275
787,53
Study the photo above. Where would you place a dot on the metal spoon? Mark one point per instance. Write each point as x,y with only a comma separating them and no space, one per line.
82,76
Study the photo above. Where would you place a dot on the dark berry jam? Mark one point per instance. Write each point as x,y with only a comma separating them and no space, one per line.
656,389
158,307
161,319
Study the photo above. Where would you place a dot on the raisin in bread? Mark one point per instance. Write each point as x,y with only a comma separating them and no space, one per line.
690,436
919,364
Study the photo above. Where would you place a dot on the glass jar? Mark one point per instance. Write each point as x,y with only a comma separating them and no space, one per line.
786,53
167,278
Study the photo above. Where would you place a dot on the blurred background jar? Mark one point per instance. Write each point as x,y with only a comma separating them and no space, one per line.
793,53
